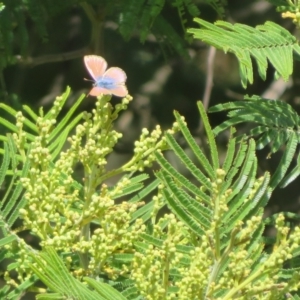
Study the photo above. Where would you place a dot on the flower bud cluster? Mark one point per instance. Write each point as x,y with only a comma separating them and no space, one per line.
151,267
114,234
20,137
175,127
285,245
99,140
234,270
238,269
145,147
257,184
195,276
240,261
121,106
147,270
247,231
95,138
219,198
49,192
265,276
158,202
21,267
56,210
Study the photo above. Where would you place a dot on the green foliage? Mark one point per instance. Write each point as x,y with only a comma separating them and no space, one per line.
197,234
13,200
289,9
132,16
141,17
48,263
265,42
27,128
209,245
191,8
223,221
57,209
276,126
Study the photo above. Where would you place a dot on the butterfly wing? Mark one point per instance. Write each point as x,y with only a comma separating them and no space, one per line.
97,91
96,65
117,74
118,77
119,91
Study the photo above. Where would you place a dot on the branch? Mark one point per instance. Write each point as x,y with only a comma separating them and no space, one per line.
44,59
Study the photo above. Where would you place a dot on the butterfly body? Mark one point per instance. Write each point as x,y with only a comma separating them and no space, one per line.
108,82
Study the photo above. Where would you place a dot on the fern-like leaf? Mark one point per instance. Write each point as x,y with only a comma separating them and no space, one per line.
11,202
218,6
57,136
151,10
265,42
195,207
10,205
168,37
144,212
131,16
292,175
105,290
50,269
277,126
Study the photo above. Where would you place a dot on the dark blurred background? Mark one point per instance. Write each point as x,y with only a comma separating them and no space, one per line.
160,78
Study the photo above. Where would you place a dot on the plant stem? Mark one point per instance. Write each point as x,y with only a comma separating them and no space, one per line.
97,25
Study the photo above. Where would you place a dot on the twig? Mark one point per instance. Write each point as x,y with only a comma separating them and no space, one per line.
44,59
209,81
277,88
210,74
97,21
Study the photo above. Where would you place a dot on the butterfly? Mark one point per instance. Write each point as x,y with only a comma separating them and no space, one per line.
108,82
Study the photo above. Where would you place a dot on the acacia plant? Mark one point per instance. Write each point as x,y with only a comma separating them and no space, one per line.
209,246
100,241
